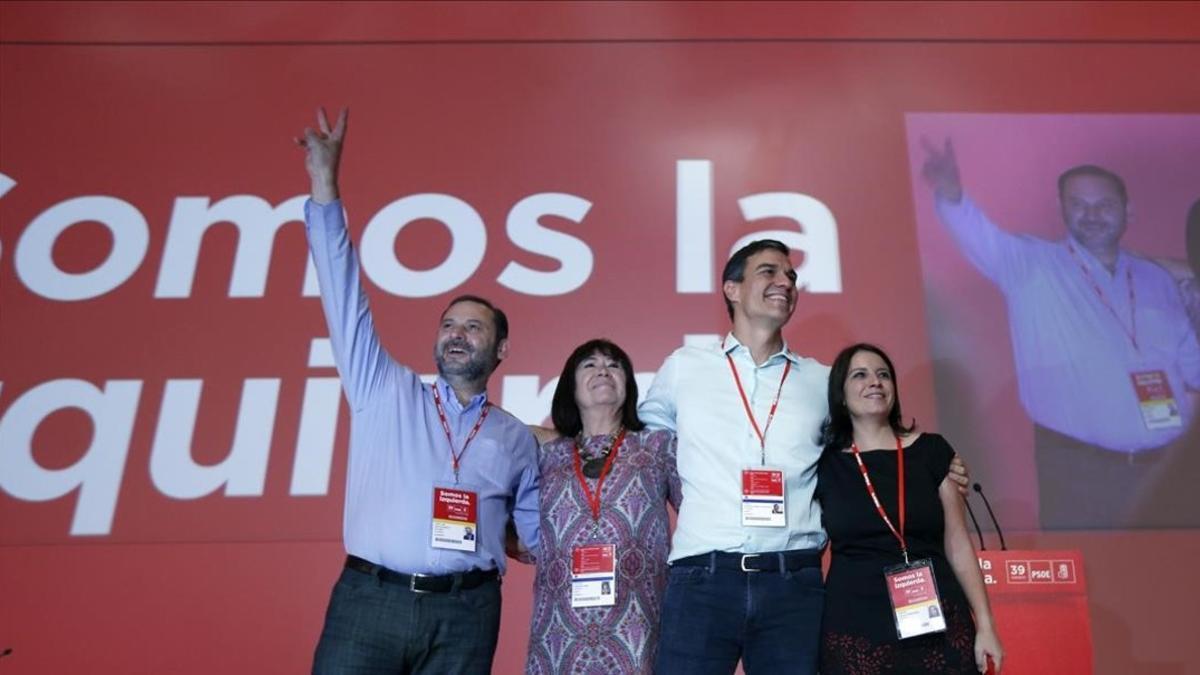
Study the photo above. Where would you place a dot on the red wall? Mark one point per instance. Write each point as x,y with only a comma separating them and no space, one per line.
163,105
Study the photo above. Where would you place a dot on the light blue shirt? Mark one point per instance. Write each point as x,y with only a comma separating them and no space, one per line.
695,396
1073,356
398,448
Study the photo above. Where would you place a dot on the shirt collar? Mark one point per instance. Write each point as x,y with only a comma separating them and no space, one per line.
1094,265
450,399
731,345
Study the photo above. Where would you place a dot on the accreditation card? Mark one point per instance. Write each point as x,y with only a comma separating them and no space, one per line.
916,606
455,519
594,575
762,498
1160,409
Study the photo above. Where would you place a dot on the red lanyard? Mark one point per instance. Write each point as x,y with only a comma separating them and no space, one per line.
899,534
456,458
762,434
594,499
1130,332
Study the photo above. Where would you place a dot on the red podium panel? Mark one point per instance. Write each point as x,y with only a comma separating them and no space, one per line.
1039,600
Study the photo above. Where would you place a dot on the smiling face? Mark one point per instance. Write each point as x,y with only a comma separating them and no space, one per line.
767,291
1094,211
870,387
599,382
466,347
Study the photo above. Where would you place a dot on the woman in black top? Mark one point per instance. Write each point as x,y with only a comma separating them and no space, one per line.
864,438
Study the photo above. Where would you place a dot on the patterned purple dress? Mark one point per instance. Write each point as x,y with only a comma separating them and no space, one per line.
633,515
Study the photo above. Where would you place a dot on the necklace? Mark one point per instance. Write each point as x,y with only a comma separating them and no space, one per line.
594,466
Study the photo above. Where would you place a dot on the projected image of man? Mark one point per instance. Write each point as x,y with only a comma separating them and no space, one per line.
1103,349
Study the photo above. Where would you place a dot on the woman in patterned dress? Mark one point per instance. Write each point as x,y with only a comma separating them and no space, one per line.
864,437
606,480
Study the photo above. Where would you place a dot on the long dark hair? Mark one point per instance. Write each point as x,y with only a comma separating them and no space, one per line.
564,411
837,431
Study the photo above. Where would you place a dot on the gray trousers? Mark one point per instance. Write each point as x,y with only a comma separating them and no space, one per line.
373,626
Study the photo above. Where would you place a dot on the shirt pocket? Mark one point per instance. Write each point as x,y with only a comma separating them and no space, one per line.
489,464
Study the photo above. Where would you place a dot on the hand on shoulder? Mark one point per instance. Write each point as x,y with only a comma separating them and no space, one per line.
544,434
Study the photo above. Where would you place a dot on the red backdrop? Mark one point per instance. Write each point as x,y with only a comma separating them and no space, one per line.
130,127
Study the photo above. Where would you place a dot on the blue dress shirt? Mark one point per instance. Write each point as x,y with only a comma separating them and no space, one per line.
1072,350
398,448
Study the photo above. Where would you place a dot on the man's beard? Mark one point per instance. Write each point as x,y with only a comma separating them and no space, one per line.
479,364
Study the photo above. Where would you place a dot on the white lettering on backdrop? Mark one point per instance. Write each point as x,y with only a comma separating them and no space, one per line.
112,406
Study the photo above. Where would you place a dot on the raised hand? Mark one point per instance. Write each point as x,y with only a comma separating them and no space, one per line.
323,152
941,171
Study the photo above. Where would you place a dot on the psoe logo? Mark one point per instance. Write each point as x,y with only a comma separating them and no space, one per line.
1040,571
1064,571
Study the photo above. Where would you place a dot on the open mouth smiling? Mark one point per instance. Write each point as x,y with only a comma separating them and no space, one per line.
778,297
456,350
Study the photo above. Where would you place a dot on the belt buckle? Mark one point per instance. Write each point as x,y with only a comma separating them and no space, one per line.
743,562
412,583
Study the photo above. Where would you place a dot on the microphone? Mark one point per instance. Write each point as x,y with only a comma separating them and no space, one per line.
978,531
996,523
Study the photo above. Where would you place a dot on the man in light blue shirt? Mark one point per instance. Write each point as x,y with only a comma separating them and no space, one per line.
434,473
745,579
1103,349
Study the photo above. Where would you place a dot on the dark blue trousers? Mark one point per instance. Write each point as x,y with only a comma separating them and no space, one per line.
713,616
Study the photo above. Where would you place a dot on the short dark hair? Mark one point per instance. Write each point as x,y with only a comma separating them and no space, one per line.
1092,170
735,268
564,411
499,319
837,431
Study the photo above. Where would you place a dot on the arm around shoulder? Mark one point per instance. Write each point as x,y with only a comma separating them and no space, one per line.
958,473
670,458
544,435
525,513
658,408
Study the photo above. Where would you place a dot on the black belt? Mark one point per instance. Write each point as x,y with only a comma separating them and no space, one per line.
1045,435
423,583
777,561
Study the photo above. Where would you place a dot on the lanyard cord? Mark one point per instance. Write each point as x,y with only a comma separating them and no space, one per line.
456,458
762,434
899,534
593,499
1131,331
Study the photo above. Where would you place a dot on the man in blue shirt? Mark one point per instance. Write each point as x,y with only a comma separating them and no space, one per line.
434,474
1103,350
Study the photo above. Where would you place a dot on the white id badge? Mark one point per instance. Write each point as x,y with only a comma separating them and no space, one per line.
763,498
594,575
455,519
916,606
